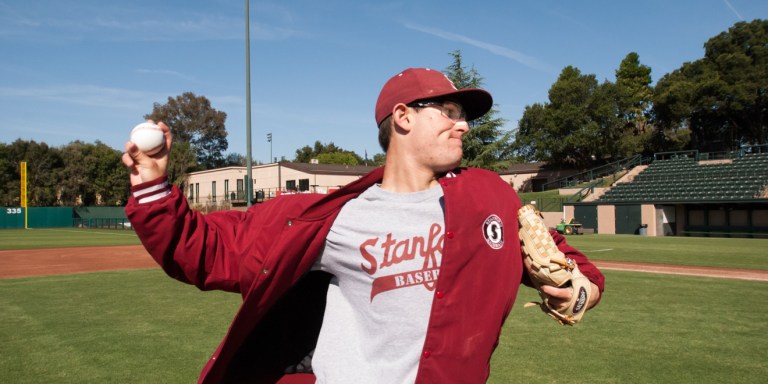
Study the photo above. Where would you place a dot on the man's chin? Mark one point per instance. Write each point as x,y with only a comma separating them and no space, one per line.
449,166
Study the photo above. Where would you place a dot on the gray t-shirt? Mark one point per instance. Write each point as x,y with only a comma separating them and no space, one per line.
384,251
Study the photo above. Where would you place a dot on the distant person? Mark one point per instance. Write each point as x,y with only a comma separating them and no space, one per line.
403,276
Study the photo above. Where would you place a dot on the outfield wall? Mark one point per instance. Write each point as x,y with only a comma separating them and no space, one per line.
12,217
59,217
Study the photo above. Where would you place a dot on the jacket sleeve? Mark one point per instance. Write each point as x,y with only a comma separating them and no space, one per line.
204,250
585,266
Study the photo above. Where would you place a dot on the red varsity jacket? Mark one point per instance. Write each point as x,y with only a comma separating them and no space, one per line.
266,253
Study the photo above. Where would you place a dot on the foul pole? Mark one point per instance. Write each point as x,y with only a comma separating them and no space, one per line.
23,199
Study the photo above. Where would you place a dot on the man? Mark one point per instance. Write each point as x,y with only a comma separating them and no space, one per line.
405,275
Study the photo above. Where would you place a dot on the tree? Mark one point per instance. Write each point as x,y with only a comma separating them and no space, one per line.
346,158
577,128
108,176
327,154
532,140
378,160
92,174
182,162
75,174
721,100
573,132
192,120
633,96
234,159
44,165
75,181
40,158
7,179
485,145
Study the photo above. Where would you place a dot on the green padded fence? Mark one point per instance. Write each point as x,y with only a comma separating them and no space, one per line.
50,217
59,217
12,218
38,217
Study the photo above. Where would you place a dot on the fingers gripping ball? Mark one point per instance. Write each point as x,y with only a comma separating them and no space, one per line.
148,137
546,265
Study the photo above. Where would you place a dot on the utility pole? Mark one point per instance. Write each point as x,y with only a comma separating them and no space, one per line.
248,155
269,139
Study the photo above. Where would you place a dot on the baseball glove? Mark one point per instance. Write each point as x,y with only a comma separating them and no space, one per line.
546,265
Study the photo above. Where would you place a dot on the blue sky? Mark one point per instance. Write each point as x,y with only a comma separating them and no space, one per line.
91,69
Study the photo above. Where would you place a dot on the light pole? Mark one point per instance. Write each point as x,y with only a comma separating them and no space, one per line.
248,157
269,139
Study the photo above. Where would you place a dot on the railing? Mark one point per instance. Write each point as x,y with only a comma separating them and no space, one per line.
240,198
584,192
692,154
594,173
744,150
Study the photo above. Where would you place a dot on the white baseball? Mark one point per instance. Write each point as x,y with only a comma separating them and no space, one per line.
148,137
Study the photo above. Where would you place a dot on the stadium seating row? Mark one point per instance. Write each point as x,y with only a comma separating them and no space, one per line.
684,179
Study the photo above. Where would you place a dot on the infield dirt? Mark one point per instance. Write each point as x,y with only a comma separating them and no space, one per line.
61,261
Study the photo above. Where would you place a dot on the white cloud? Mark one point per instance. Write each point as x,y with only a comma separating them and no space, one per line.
87,95
519,57
162,72
728,3
61,22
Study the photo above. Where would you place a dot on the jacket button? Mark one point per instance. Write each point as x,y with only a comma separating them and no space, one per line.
289,223
449,234
427,354
439,294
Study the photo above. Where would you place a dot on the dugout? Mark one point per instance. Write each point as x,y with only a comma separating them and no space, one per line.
708,219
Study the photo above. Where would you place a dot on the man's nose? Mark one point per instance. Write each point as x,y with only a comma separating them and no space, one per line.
462,125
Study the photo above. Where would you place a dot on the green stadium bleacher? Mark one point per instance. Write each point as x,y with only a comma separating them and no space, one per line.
682,178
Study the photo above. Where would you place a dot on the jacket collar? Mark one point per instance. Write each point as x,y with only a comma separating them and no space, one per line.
331,203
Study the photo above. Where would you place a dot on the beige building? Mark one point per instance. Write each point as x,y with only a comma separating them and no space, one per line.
215,186
227,185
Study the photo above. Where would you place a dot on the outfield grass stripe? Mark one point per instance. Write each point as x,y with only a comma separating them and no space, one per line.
103,232
728,273
63,237
694,251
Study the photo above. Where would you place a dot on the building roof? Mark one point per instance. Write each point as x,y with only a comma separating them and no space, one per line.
313,169
329,169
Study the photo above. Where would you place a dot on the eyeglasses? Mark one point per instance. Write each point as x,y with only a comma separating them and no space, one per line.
449,109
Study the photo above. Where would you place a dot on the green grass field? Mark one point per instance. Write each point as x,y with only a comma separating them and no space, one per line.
65,237
143,327
647,329
113,327
699,251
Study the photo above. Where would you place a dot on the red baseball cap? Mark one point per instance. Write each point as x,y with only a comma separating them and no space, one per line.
415,84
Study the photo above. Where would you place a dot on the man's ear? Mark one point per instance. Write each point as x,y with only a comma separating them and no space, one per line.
402,117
